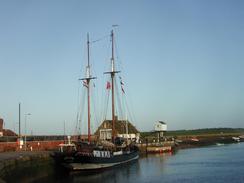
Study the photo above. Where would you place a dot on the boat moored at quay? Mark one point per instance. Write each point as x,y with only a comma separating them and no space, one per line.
103,153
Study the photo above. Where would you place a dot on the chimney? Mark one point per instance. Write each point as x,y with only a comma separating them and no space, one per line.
1,124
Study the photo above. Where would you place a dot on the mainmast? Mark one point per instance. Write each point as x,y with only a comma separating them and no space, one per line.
112,74
86,83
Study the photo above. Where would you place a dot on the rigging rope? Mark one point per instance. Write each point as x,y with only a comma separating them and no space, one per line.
121,104
106,104
94,98
100,39
119,108
81,116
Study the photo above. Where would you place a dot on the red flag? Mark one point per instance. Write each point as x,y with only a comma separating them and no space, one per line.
108,85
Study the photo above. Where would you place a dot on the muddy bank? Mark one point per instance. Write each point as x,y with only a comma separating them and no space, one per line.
204,141
184,142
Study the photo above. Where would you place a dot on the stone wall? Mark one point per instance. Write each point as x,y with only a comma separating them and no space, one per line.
16,165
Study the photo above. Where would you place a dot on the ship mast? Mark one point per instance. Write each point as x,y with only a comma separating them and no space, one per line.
86,83
112,74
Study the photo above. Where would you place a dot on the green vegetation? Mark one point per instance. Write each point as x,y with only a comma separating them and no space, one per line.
205,131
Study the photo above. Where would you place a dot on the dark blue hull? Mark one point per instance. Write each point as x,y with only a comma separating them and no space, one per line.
111,159
93,158
86,163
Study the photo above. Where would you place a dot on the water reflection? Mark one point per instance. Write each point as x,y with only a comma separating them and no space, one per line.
116,174
209,164
136,171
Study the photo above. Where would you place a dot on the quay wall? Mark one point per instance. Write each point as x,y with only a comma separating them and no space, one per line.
156,147
13,165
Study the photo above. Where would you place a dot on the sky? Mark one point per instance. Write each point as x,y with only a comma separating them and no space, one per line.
182,62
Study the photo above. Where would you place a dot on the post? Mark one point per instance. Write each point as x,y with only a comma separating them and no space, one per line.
88,89
25,128
146,145
19,122
87,80
112,77
25,132
113,111
88,110
112,74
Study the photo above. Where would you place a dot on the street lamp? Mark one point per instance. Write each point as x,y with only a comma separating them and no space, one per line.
28,114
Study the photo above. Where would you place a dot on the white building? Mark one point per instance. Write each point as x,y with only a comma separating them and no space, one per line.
160,127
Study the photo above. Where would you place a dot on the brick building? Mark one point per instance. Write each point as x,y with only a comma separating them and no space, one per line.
5,132
104,131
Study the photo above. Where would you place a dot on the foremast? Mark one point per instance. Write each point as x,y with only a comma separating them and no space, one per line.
112,73
86,83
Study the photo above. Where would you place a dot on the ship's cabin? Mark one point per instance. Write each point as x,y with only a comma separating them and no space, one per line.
67,147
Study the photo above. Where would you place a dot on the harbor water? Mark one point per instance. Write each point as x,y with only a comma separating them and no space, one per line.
222,163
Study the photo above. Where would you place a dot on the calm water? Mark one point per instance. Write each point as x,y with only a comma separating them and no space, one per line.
211,164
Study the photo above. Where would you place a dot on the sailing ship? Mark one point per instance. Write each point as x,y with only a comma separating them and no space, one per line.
87,156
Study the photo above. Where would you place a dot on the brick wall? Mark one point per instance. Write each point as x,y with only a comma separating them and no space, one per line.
36,145
8,146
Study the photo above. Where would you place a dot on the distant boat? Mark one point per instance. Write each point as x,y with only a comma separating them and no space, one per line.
237,139
86,156
178,141
220,144
194,139
241,136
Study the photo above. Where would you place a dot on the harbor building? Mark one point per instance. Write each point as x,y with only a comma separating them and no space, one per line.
160,128
5,132
123,128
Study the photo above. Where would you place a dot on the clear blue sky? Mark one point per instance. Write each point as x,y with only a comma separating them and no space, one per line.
183,61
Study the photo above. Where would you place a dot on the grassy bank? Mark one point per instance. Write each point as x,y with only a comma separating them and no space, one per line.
197,132
195,138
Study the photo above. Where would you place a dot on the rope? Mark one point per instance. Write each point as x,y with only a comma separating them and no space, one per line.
94,106
118,99
100,39
106,104
81,116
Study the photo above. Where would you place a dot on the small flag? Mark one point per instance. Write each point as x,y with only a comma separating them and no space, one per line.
121,82
108,85
85,84
122,89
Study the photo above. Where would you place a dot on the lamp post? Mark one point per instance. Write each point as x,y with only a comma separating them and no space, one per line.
28,114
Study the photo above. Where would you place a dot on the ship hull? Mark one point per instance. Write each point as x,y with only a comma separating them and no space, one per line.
89,163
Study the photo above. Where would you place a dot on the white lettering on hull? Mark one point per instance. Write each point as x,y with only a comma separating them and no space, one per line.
101,154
